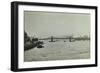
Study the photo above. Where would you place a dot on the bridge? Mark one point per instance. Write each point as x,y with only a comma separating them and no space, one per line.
52,38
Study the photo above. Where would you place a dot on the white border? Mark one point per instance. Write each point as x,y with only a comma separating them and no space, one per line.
22,64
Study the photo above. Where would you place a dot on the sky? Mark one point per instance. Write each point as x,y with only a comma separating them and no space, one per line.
45,24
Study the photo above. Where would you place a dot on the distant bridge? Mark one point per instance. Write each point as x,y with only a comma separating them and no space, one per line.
70,38
52,39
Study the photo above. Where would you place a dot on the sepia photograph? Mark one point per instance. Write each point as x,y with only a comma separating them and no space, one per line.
56,36
52,36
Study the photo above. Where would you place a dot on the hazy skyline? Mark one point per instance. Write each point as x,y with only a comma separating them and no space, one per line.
44,24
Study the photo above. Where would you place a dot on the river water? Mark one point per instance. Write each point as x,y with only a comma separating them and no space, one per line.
59,50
